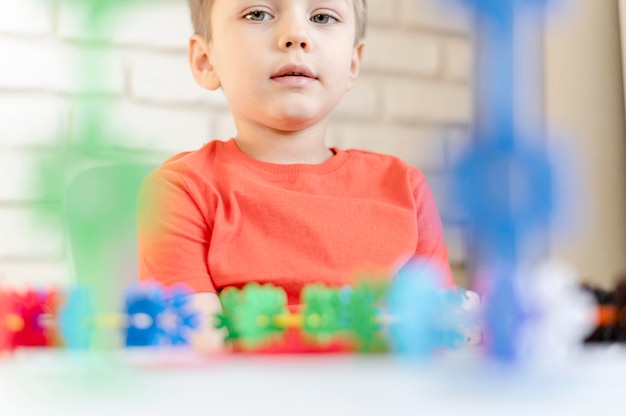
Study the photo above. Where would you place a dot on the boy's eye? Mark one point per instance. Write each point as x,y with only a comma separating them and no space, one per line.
258,16
323,19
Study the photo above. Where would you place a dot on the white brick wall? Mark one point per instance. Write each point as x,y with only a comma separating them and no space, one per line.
413,99
18,110
398,51
408,100
18,168
163,24
163,77
437,15
29,17
29,238
420,146
135,125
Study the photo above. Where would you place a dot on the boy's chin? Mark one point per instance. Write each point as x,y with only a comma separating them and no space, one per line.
294,124
293,121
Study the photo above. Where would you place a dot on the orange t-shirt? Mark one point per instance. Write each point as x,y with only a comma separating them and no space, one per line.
216,217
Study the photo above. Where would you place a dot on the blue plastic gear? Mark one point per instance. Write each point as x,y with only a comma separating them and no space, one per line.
504,190
504,316
143,307
425,317
185,318
76,319
499,8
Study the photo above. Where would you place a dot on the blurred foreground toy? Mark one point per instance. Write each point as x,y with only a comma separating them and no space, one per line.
422,317
257,315
156,317
254,314
143,307
5,324
26,319
153,317
504,185
535,314
561,313
504,314
77,319
412,315
610,313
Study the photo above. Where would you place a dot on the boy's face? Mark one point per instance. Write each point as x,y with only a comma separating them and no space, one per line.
283,64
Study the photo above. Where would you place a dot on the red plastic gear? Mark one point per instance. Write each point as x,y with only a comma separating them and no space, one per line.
27,313
6,336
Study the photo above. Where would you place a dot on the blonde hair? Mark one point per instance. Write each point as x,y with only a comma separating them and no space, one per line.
201,10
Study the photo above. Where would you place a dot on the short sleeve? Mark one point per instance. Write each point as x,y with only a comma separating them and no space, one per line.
430,241
173,233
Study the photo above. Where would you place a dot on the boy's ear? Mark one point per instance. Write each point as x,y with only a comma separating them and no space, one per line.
201,63
355,66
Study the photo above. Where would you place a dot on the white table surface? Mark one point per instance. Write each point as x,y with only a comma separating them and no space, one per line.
54,383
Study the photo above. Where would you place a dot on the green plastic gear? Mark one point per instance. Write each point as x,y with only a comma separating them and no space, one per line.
321,312
260,307
361,312
229,298
250,314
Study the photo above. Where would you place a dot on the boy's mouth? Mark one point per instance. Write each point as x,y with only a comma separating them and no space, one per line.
294,70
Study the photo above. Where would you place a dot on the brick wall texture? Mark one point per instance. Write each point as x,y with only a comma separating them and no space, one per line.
414,99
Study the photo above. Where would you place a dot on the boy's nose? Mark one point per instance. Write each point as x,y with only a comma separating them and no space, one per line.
289,44
294,36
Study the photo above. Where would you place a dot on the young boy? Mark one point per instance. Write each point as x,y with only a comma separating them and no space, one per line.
274,204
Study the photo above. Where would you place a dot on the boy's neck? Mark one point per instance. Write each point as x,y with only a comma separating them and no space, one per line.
284,147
